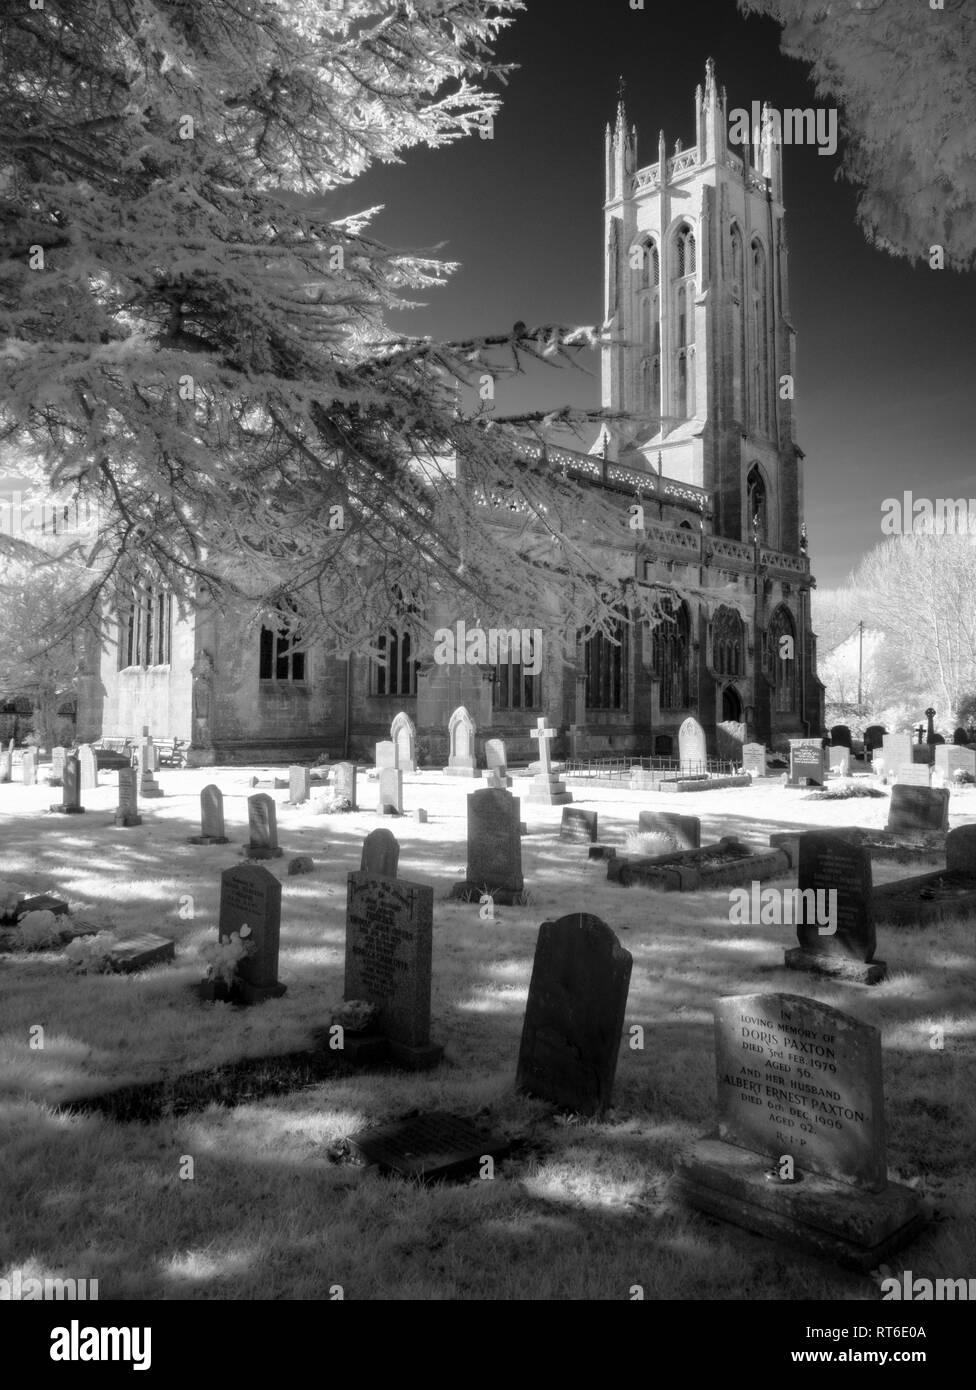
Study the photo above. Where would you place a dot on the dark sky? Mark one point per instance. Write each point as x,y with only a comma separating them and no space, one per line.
885,367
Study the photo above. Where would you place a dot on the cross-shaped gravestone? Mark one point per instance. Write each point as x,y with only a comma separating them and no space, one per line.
543,735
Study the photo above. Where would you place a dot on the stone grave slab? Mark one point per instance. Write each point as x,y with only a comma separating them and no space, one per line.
918,810
921,899
953,758
140,952
806,762
389,942
829,862
754,759
494,848
917,775
127,812
574,1016
211,818
692,747
839,760
70,803
89,767
58,755
344,781
262,817
578,826
299,784
403,735
391,792
684,831
800,1081
385,754
428,1148
461,760
546,786
28,767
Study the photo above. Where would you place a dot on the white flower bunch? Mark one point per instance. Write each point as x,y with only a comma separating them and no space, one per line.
223,957
36,930
89,954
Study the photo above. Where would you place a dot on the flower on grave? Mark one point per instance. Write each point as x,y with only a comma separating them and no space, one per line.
90,954
35,930
356,1015
224,956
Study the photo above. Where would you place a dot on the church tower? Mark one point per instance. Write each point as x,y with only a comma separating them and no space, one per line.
700,347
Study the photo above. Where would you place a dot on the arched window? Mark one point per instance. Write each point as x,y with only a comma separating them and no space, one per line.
682,333
728,642
738,346
647,385
760,340
781,660
607,666
755,504
690,397
393,669
650,265
279,657
689,314
684,253
671,654
656,384
681,387
145,628
735,255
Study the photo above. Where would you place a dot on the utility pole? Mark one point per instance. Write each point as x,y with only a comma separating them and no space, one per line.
860,661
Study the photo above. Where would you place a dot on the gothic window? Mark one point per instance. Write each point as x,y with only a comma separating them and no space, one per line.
671,655
689,313
145,628
760,340
735,258
690,397
755,503
683,310
684,253
650,265
648,399
393,671
781,660
607,664
279,657
656,384
681,390
738,349
728,642
513,687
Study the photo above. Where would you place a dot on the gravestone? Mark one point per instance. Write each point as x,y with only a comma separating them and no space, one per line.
840,737
806,761
211,818
6,764
951,758
874,738
389,936
800,1152
70,803
58,755
391,792
89,767
428,1148
918,775
961,850
692,747
754,759
685,831
828,861
127,813
251,896
385,755
578,826
381,854
403,735
461,730
344,782
299,784
730,736
918,810
147,760
494,848
546,786
496,760
574,1016
896,749
28,767
134,953
262,819
960,736
840,759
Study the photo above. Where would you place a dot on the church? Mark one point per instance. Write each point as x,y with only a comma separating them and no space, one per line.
698,351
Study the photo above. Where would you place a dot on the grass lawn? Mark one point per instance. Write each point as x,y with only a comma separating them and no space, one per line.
581,1210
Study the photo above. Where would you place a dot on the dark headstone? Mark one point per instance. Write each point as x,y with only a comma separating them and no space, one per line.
874,737
800,1153
960,735
961,850
574,1016
128,808
830,863
578,826
918,810
381,854
251,896
494,847
428,1148
389,934
262,818
685,831
140,952
806,761
840,736
301,864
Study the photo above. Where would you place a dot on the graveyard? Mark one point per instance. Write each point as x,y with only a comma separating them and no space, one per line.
178,1139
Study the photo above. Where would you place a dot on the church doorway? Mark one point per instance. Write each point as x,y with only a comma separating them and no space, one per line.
731,705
